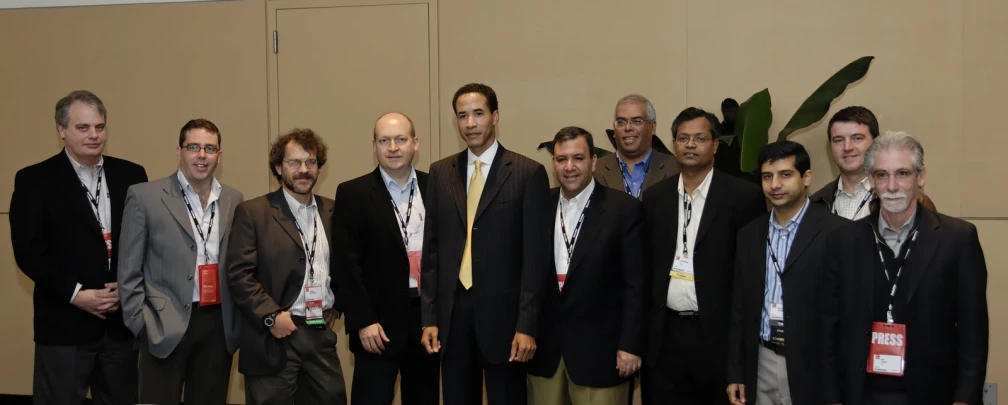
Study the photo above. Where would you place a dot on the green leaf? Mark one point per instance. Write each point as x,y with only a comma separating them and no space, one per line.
753,127
817,105
658,145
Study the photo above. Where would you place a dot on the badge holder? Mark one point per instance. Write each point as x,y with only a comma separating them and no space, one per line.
887,353
209,283
777,323
313,305
682,268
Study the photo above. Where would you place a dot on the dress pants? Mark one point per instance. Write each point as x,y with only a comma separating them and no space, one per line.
685,373
63,374
312,374
561,390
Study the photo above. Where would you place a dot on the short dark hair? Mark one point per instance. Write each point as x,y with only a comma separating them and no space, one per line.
83,96
692,113
198,123
302,136
571,133
480,88
855,113
783,149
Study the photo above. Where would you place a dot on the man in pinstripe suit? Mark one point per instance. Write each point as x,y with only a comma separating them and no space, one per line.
486,258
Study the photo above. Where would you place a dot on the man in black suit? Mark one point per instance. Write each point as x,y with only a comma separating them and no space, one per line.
777,271
377,242
65,216
904,308
593,322
697,215
484,261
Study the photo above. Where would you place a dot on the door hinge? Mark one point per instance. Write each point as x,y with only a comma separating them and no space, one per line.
275,41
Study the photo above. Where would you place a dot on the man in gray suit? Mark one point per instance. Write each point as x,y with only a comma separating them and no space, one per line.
172,283
635,166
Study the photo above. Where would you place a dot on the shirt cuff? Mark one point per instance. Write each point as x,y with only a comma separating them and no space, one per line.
76,290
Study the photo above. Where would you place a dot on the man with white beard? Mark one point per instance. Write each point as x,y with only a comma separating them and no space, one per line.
904,308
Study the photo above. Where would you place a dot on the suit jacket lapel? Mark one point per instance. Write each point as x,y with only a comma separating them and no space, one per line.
176,205
714,194
669,224
382,202
284,216
923,249
589,229
500,170
656,170
808,229
613,174
117,194
457,185
77,196
223,205
325,211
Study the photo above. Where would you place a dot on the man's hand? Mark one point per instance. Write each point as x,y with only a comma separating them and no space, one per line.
627,363
91,302
430,341
330,318
111,291
373,338
523,347
283,326
736,394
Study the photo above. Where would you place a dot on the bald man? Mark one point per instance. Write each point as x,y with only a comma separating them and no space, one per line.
378,226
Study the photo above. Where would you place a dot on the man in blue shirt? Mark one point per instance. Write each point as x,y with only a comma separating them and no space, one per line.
635,166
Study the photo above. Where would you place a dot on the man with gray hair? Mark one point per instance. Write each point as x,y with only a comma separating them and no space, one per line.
904,308
635,166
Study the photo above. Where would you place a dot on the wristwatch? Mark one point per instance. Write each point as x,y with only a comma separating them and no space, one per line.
270,319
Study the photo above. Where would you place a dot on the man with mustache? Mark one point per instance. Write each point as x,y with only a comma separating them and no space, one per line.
171,275
635,166
279,274
378,225
850,133
904,308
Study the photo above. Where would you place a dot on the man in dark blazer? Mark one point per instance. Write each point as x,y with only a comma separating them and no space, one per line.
636,165
172,282
904,308
65,216
377,243
279,274
594,316
778,261
484,261
694,218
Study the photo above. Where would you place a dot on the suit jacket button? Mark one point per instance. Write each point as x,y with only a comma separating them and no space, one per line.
192,248
189,277
187,306
301,259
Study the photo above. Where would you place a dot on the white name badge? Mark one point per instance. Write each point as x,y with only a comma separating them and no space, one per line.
777,311
777,322
314,294
682,268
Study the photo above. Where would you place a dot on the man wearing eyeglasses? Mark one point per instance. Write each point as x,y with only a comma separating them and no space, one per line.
904,311
279,274
174,293
635,166
697,213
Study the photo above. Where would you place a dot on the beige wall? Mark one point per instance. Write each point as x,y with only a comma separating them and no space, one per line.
938,74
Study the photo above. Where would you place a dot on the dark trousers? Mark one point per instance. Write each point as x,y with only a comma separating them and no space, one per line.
375,376
312,374
876,396
63,374
685,373
463,368
201,363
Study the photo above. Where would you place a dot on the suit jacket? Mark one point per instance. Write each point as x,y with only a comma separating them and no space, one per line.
58,243
827,195
947,325
509,259
157,263
265,268
370,262
609,174
801,276
730,204
604,303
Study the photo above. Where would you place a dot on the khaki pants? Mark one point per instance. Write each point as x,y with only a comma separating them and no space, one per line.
560,390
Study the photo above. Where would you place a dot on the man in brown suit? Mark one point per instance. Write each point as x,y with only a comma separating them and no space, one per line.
636,165
278,271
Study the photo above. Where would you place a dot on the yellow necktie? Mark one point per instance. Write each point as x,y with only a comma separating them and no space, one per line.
472,202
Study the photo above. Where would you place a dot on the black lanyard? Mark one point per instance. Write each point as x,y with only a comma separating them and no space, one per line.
864,201
409,211
626,185
199,224
687,216
95,199
780,274
895,280
569,243
311,253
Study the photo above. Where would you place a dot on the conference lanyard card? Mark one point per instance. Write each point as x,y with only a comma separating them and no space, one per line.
414,267
314,293
777,323
682,268
561,278
108,250
887,353
209,285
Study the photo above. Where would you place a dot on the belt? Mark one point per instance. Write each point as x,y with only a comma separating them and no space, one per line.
776,348
692,315
302,321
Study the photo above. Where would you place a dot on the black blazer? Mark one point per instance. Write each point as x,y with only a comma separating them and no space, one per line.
370,262
801,276
946,318
58,243
730,204
603,305
510,260
265,270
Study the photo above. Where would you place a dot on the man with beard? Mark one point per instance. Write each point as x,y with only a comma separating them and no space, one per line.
278,271
635,166
904,305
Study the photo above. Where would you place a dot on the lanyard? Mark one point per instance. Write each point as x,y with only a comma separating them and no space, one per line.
311,253
626,185
687,216
199,224
409,211
864,201
894,280
95,199
780,274
569,243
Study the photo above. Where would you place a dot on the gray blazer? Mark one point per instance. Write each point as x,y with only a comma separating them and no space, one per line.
609,174
157,263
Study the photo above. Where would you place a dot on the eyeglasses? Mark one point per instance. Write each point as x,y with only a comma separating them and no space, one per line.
295,164
698,140
901,175
195,148
636,121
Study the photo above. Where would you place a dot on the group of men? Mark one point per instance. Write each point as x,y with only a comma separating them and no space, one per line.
479,275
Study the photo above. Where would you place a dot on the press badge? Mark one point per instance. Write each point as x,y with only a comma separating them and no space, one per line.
414,268
561,278
682,268
887,352
209,285
314,293
777,323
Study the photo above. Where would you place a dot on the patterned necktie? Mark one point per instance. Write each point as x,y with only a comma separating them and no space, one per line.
472,201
